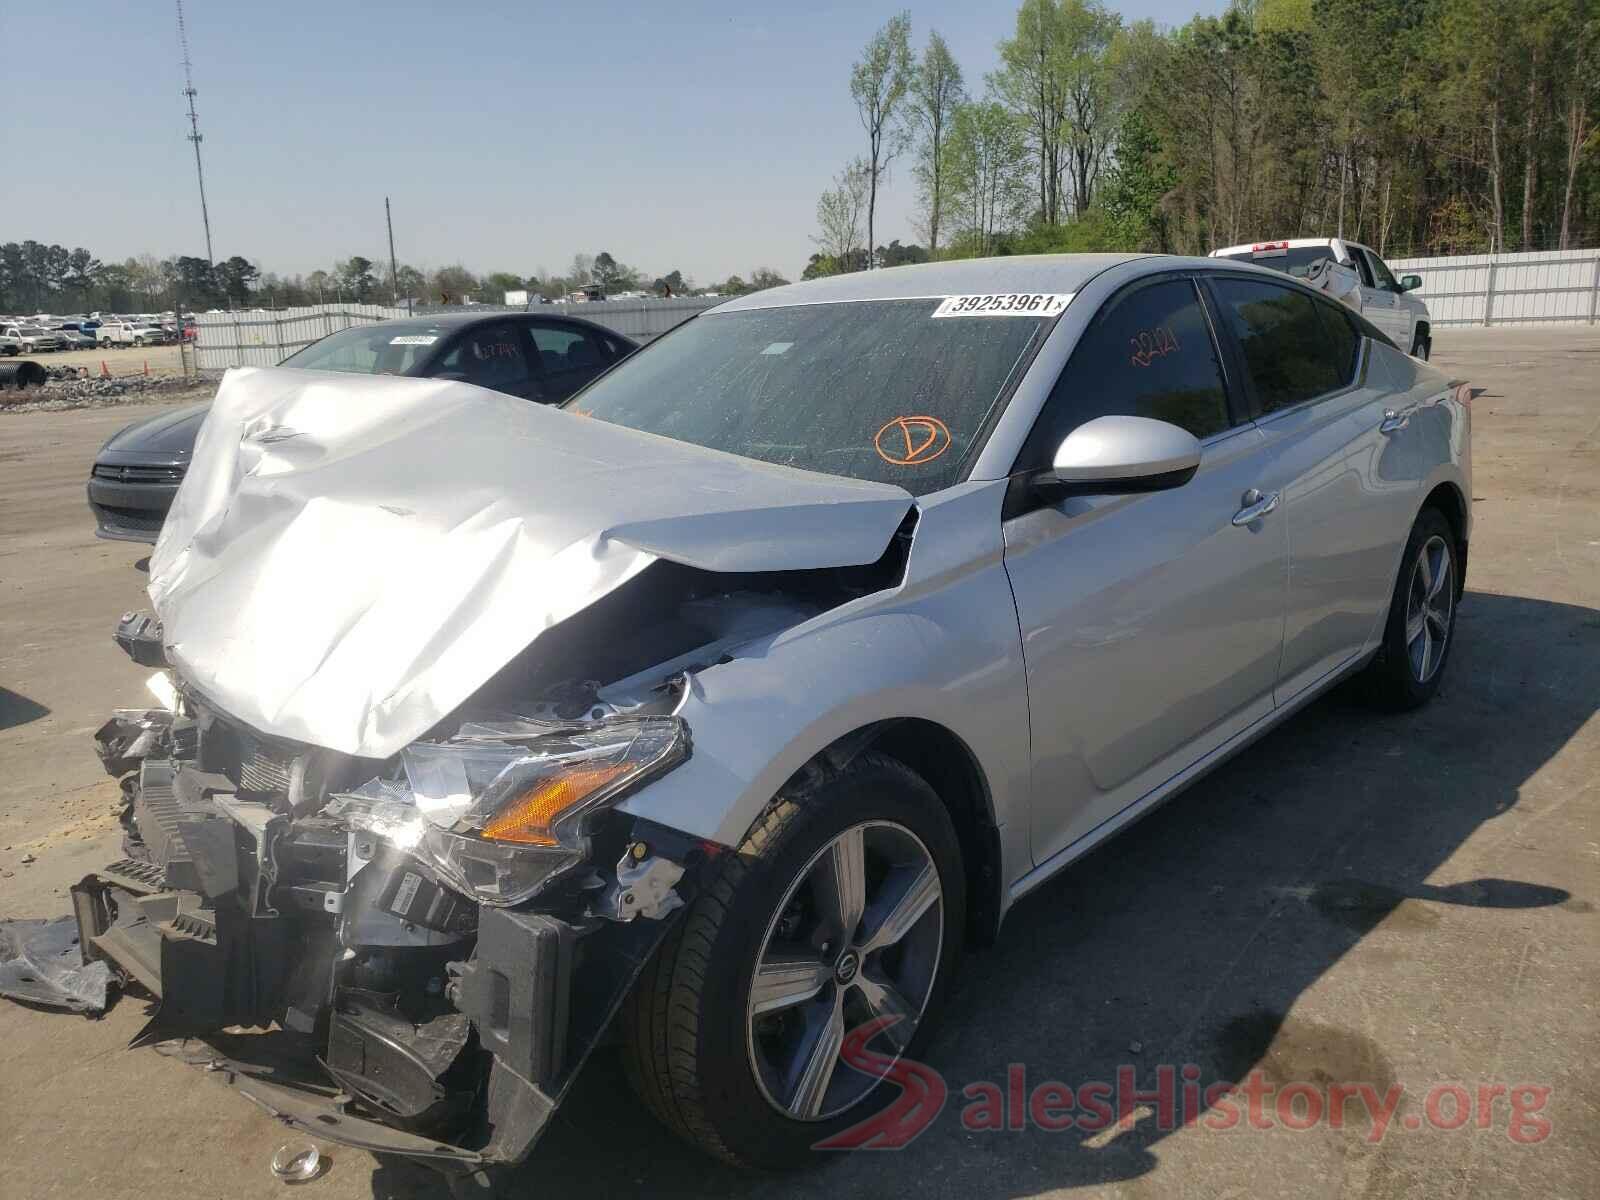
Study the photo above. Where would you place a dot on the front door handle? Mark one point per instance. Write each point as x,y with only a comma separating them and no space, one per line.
1393,421
1255,507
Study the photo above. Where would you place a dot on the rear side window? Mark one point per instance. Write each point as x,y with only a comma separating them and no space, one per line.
1289,353
566,348
1149,353
1344,336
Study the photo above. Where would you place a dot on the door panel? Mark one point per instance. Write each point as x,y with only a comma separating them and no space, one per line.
1151,630
1348,492
1380,303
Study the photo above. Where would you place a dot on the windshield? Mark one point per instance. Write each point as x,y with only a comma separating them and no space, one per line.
1297,262
882,390
392,348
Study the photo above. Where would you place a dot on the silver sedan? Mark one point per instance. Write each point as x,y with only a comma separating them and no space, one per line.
770,671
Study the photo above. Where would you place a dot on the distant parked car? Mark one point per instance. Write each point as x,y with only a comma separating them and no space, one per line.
10,343
74,338
33,339
1355,275
540,358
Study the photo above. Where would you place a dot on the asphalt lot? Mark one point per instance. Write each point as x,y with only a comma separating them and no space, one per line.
1398,900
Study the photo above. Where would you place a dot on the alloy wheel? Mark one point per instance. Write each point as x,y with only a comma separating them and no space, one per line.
857,936
1430,606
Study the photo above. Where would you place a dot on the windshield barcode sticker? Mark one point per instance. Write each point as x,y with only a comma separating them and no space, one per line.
1004,304
414,339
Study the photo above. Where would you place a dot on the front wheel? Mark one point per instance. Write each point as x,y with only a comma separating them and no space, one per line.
1420,345
844,905
1422,618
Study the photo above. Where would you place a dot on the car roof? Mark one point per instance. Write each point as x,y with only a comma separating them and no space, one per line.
460,320
1021,273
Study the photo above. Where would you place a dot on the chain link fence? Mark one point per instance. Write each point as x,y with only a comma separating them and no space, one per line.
261,338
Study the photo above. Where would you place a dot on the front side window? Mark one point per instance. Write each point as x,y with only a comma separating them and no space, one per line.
1149,353
1385,279
878,390
492,356
1360,264
1288,351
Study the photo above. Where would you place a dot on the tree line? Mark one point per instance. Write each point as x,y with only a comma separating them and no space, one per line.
1415,126
35,277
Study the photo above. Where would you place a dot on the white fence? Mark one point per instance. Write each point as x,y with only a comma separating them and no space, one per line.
266,338
1537,288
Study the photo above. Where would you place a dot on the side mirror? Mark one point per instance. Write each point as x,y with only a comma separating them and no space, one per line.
1118,455
1410,283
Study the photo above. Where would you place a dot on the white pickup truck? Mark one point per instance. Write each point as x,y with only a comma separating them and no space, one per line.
22,338
128,333
1354,274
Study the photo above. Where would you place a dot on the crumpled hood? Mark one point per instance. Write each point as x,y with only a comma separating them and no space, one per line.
349,558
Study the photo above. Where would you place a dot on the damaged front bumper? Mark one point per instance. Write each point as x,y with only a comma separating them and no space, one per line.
382,1007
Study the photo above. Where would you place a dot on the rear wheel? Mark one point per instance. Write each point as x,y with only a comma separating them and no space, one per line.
1422,618
844,904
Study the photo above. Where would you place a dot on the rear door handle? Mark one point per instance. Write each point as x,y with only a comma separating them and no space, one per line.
1255,507
1393,421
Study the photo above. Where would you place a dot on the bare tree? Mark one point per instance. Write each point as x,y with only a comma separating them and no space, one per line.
1029,82
878,84
839,212
936,90
1580,89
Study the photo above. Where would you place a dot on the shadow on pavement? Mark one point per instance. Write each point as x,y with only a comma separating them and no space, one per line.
1190,936
18,710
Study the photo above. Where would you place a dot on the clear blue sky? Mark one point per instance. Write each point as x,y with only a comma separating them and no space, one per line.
508,135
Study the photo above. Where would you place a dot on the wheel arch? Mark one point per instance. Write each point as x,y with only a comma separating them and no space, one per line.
948,765
1448,500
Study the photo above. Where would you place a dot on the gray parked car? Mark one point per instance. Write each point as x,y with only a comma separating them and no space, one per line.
725,706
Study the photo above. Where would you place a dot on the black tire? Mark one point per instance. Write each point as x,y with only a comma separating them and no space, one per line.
1420,345
685,1026
1393,680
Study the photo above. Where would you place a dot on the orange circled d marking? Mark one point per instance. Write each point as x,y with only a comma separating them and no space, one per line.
912,441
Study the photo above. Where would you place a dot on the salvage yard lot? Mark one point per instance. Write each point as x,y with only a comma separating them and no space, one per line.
1358,898
131,360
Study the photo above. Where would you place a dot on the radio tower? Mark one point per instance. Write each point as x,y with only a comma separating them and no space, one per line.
194,135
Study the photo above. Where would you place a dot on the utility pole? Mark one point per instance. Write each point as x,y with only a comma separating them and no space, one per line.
394,267
194,134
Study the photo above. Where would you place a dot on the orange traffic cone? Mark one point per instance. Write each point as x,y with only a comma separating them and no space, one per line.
104,373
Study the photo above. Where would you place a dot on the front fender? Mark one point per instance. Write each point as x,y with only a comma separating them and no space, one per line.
943,647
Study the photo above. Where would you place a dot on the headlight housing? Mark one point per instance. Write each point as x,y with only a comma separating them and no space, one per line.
505,807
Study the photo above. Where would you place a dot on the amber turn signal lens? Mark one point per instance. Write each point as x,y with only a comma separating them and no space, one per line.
530,818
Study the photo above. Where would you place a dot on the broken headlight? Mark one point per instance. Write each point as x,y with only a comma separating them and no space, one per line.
504,807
